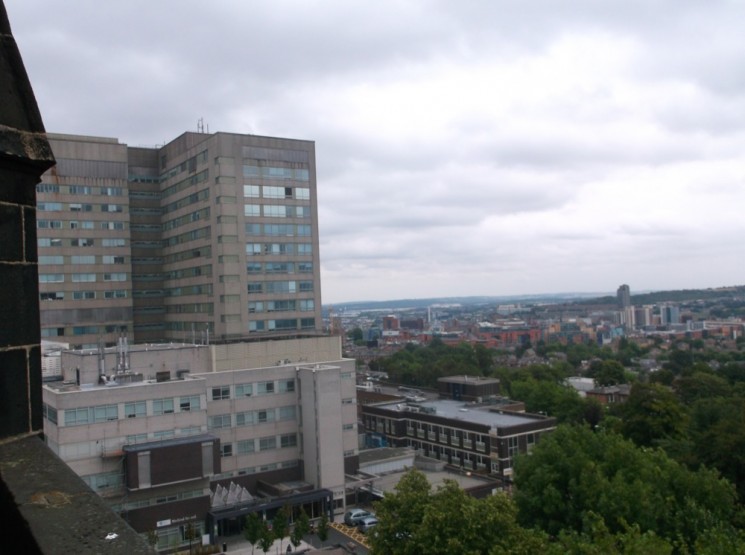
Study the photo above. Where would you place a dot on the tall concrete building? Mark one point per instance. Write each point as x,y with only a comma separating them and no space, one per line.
623,296
211,236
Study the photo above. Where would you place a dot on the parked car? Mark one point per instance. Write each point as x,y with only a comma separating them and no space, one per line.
353,516
366,523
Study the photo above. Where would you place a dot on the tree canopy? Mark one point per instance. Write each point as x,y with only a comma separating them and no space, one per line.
416,520
576,474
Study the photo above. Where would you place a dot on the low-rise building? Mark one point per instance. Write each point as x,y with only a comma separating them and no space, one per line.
477,437
158,430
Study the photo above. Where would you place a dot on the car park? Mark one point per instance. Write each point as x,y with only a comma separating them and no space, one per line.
353,516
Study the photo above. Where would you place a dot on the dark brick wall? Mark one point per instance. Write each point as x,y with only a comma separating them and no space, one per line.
24,156
171,463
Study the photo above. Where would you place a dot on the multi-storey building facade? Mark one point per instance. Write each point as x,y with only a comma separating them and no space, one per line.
208,236
474,437
155,429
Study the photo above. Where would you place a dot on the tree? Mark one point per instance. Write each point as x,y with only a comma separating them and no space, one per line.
355,335
323,528
415,520
281,525
652,413
608,372
190,533
700,385
253,528
399,514
302,527
548,397
596,539
267,538
574,473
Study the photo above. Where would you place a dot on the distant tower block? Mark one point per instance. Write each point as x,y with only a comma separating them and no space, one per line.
624,296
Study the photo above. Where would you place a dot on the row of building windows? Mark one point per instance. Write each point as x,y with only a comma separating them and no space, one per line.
197,215
252,417
256,191
279,268
279,249
268,172
79,207
199,196
76,242
82,330
193,235
194,271
205,289
83,277
276,211
223,392
256,287
74,224
282,324
279,230
82,259
191,308
267,443
103,413
78,190
190,164
201,252
190,181
464,459
288,305
83,295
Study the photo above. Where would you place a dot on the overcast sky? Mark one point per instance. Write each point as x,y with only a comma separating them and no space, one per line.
463,147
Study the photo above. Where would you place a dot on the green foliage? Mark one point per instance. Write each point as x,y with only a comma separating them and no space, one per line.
652,413
302,527
281,524
553,399
608,372
415,520
253,528
596,539
575,476
267,538
717,434
700,385
323,527
423,365
355,335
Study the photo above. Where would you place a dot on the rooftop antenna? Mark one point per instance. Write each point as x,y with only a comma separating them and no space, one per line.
200,125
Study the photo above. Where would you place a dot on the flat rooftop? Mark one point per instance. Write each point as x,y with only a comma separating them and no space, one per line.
457,410
126,380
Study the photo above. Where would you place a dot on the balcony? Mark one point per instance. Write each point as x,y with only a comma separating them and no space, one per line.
480,446
467,444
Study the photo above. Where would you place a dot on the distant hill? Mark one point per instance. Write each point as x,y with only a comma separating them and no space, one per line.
689,295
398,304
548,298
